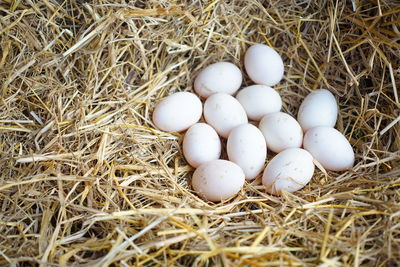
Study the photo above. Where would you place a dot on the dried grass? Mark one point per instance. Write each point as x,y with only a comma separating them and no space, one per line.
86,179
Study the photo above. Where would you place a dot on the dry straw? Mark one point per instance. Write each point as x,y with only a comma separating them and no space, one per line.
87,180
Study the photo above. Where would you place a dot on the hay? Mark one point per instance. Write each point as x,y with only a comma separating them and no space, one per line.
86,179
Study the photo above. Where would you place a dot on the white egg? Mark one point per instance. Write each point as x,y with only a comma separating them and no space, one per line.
223,112
330,148
247,148
281,131
259,100
289,171
319,108
177,112
263,65
201,144
221,77
218,180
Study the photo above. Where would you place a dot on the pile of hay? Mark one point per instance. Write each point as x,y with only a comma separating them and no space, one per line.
86,179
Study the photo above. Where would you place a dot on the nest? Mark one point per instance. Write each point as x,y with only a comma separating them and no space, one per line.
86,179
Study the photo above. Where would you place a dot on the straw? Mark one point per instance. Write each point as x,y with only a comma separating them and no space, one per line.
87,180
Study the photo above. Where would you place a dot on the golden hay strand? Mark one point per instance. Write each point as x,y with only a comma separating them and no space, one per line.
87,180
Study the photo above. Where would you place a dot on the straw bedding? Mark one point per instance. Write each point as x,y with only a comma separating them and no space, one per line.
87,180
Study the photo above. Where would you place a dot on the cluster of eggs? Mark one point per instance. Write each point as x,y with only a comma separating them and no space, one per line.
228,117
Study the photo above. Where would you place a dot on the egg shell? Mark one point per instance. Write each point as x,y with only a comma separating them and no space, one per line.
281,131
223,112
201,144
263,65
319,108
330,148
221,77
247,148
290,170
259,100
218,180
177,112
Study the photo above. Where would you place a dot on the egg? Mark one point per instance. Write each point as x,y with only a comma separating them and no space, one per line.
330,148
221,77
281,131
290,170
319,108
218,180
201,144
259,100
177,112
263,65
247,148
223,112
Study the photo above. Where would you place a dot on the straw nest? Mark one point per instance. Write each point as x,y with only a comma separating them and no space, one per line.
86,179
